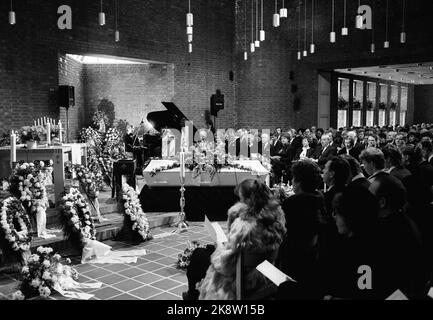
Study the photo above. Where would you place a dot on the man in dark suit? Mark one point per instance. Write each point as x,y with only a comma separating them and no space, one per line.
358,145
357,178
326,151
276,142
394,162
281,160
349,148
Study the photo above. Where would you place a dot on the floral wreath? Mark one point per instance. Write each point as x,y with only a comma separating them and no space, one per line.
76,218
12,214
43,273
135,213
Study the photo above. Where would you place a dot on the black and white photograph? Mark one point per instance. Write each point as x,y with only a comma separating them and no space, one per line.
218,156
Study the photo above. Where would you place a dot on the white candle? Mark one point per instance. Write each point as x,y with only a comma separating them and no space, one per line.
13,148
35,123
60,132
48,133
182,165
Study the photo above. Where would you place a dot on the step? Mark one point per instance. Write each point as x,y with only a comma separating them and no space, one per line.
107,230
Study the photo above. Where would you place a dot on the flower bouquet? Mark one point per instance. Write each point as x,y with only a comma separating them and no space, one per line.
185,258
31,135
27,183
134,217
44,273
14,229
76,219
100,120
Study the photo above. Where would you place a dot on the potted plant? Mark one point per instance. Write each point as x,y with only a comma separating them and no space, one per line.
382,105
31,135
342,103
369,105
357,104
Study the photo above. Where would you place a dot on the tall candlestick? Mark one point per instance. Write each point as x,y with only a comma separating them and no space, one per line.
13,148
182,165
60,132
48,133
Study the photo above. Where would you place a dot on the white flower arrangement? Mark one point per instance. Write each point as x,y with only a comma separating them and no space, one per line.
12,214
134,211
27,183
76,216
42,273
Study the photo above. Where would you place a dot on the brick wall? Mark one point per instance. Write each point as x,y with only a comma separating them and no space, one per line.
71,73
259,96
151,30
135,90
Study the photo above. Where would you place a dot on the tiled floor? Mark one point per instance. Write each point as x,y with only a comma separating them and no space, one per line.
153,277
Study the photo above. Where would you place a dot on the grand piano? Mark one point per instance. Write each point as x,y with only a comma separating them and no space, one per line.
172,118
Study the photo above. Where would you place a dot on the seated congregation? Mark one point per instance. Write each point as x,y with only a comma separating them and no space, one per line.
358,226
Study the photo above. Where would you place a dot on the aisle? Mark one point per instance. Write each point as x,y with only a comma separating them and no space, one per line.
153,277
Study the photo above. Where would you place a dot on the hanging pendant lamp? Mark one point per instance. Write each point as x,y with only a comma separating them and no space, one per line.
245,31
305,53
116,33
262,30
312,45
257,42
283,11
252,45
299,31
403,32
12,16
276,20
102,15
386,43
345,30
332,36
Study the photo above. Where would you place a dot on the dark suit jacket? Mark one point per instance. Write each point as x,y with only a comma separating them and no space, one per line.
276,146
353,152
363,182
400,173
325,156
310,153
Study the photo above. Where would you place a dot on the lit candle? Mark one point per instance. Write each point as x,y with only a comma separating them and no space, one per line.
182,165
48,133
60,132
35,123
13,148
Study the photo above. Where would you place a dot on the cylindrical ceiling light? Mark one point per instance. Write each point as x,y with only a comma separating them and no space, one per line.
12,16
276,20
359,18
257,42
245,31
345,30
189,23
312,45
116,33
332,36
252,45
372,46
190,47
299,31
386,43
102,15
403,32
262,30
283,11
305,53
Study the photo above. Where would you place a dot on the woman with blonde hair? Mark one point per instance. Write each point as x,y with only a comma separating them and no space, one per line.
256,227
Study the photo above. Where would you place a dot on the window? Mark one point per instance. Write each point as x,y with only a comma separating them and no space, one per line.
370,103
383,104
403,105
343,102
358,102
